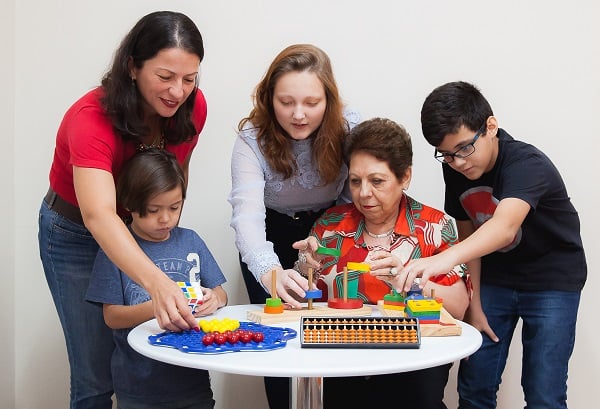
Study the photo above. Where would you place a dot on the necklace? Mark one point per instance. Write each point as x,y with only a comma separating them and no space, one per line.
159,144
379,236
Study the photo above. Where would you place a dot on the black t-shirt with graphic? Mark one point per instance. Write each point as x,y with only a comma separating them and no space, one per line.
547,252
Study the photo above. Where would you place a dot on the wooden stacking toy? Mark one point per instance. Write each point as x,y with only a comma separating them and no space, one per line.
347,303
273,305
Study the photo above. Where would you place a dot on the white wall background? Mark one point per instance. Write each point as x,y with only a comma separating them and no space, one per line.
7,207
538,63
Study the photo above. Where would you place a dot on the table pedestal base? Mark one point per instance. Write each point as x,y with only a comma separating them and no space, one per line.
307,393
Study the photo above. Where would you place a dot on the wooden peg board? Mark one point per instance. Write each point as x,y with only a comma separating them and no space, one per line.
261,317
447,326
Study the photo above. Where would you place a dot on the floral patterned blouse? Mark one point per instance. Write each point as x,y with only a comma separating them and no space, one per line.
420,231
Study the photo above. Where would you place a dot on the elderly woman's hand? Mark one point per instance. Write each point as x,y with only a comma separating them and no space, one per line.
307,254
387,267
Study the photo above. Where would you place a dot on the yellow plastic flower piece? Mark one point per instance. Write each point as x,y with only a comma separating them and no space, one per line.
218,325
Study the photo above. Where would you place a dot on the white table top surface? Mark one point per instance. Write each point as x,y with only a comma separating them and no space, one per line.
295,361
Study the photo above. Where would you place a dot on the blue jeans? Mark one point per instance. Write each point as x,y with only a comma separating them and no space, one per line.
549,319
202,401
68,251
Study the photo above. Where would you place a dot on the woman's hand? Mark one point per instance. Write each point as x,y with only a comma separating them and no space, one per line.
307,254
170,305
387,267
286,280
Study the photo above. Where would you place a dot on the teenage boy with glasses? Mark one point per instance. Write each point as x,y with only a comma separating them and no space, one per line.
520,236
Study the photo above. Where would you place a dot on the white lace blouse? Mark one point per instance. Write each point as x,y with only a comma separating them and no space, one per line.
255,186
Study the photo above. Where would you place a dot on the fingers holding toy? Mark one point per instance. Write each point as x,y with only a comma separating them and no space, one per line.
383,264
211,301
311,255
309,244
428,267
279,281
293,281
308,256
387,267
170,306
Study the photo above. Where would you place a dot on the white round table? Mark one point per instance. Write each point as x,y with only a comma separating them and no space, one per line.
308,365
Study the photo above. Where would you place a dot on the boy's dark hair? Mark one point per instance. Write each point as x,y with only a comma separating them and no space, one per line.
122,101
146,175
385,140
451,106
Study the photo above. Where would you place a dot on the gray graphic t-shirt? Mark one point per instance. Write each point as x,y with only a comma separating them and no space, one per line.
183,257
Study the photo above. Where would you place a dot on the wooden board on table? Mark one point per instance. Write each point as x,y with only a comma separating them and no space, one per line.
261,317
448,326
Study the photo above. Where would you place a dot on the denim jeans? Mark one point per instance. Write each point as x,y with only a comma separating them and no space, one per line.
549,319
202,401
68,251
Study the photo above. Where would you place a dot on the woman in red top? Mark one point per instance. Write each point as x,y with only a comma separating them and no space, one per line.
148,98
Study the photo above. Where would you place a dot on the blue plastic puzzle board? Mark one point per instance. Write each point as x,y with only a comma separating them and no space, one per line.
191,341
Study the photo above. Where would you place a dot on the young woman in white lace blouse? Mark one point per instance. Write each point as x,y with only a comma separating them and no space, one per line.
287,167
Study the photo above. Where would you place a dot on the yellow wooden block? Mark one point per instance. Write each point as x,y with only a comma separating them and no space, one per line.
393,307
351,265
423,305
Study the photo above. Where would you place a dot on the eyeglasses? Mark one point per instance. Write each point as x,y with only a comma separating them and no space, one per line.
460,153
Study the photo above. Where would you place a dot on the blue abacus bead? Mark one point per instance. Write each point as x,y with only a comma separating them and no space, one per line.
313,294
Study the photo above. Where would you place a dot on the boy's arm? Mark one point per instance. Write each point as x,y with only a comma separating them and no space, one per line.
474,314
497,232
127,316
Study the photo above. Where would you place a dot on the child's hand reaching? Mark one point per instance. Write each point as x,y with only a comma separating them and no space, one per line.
212,301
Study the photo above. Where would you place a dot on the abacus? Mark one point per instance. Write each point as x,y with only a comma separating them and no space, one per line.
360,332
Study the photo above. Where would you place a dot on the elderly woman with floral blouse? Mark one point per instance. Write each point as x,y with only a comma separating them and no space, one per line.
385,228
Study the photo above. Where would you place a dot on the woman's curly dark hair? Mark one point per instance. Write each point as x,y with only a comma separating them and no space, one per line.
123,102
